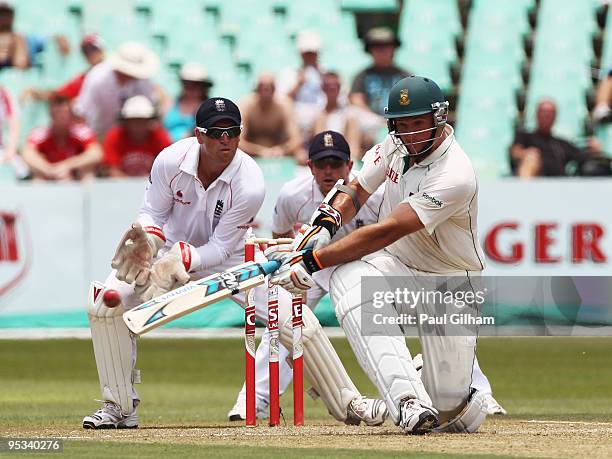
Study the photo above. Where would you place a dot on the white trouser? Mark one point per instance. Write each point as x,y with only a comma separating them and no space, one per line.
447,360
322,366
480,382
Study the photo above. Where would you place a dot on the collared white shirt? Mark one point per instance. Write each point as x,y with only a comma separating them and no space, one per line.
300,197
101,97
214,219
443,191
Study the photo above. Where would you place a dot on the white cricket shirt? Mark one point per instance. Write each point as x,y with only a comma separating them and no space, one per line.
299,198
215,219
443,191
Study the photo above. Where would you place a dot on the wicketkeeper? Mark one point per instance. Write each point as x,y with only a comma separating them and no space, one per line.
202,194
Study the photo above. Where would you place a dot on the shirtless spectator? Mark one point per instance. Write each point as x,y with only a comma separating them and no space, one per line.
337,115
13,46
132,145
66,150
269,128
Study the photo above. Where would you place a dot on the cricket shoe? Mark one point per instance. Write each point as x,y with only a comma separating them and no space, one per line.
417,418
371,411
238,412
493,406
110,417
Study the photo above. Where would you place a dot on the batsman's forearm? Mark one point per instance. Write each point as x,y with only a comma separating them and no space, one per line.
344,203
359,243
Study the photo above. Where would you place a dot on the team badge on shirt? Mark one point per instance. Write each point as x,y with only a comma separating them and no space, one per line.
218,212
220,105
403,100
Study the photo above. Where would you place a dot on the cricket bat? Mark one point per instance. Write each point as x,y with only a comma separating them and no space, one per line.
196,295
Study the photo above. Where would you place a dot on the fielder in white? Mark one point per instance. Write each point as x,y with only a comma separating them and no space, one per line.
426,226
329,161
202,195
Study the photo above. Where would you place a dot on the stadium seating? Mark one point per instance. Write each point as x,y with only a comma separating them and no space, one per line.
428,31
490,77
358,6
237,40
561,63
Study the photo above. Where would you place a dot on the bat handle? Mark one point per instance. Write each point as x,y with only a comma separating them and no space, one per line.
269,267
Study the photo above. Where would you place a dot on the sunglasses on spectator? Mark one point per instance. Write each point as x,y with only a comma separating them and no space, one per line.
217,132
334,163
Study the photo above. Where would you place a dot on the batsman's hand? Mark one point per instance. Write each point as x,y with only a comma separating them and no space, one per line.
311,237
170,271
135,253
295,273
324,223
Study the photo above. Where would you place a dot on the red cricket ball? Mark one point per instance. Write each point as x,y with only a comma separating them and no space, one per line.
111,298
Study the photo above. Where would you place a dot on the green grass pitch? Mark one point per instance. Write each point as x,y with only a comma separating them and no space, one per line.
50,385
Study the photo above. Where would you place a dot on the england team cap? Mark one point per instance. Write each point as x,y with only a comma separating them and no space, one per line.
215,109
329,144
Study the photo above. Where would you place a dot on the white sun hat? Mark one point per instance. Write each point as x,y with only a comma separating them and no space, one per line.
192,71
138,107
308,41
135,60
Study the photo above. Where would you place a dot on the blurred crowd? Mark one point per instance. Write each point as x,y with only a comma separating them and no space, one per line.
112,119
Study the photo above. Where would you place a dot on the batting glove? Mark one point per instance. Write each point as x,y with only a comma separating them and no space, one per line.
136,251
295,273
325,223
170,271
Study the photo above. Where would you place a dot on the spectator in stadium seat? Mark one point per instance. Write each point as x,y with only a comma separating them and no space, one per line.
10,124
603,100
132,145
124,74
13,46
303,85
37,43
269,128
93,52
337,115
65,150
195,86
370,88
540,153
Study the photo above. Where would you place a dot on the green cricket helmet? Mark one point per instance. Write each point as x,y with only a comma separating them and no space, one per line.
415,96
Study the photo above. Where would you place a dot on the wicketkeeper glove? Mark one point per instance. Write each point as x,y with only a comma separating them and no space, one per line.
136,251
170,271
297,267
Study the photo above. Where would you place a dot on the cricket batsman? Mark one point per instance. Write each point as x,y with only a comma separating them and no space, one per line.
426,227
202,194
329,160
